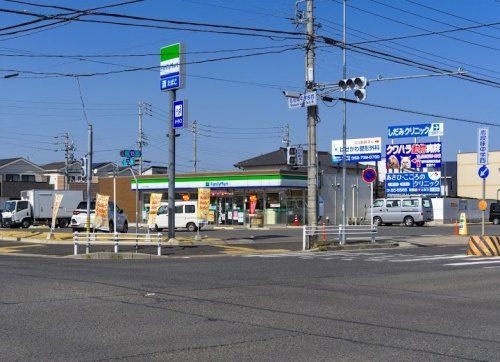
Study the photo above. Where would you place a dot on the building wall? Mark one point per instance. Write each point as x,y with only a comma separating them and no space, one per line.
470,184
125,196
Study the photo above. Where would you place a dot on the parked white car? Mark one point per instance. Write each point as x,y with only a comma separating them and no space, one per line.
396,210
79,218
186,216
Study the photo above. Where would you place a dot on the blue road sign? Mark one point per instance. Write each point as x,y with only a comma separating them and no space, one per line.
483,171
130,153
128,162
369,175
179,114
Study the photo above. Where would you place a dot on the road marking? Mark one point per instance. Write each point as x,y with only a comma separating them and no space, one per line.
469,263
437,257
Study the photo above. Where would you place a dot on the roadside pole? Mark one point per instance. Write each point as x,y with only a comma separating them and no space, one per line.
171,168
89,177
484,211
344,129
312,112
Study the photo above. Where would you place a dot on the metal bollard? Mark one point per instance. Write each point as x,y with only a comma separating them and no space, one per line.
87,248
75,240
159,244
115,239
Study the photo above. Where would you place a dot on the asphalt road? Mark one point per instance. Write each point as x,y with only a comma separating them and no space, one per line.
395,304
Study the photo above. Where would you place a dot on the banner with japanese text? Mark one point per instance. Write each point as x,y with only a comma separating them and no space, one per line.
203,204
55,208
101,211
410,156
154,205
413,183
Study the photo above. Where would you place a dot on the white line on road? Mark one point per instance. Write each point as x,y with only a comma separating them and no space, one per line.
495,260
436,257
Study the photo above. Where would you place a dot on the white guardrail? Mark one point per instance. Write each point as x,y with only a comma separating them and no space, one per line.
335,232
88,239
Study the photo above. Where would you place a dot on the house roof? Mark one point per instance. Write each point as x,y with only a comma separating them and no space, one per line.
278,158
7,161
60,165
101,164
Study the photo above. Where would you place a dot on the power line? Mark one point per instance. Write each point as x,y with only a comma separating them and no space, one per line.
416,27
438,21
135,69
451,118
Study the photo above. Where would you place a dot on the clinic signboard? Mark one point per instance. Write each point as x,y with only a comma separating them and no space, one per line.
172,60
358,150
413,155
413,183
416,130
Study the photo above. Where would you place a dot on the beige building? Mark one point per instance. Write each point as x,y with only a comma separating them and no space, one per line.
470,184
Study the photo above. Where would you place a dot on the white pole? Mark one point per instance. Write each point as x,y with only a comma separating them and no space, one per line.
371,205
114,212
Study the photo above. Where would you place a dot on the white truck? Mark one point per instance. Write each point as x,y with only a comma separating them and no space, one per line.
35,207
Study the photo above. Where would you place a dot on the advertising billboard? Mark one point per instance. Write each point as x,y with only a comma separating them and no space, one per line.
413,183
416,130
358,150
413,155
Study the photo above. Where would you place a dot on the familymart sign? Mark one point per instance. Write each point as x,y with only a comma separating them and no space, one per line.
172,61
224,182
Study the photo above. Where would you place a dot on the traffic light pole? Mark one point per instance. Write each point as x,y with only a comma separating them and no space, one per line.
344,129
312,111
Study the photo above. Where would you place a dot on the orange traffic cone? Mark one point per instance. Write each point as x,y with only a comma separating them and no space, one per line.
456,227
296,220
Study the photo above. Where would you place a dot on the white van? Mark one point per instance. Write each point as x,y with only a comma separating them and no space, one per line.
396,210
186,216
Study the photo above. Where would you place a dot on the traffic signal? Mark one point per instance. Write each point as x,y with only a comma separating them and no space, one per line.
291,156
84,167
357,84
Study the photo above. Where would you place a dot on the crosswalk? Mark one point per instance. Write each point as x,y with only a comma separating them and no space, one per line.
448,260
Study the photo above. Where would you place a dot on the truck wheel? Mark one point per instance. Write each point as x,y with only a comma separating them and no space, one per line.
26,223
377,221
409,221
63,223
191,226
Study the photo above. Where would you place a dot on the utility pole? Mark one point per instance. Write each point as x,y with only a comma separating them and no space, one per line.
344,128
68,148
312,111
89,174
194,129
144,109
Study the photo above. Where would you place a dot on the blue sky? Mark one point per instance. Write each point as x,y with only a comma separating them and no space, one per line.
242,114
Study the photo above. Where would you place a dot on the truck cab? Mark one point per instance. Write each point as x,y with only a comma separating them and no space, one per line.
17,213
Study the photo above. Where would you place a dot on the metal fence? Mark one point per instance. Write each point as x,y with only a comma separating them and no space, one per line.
327,233
93,239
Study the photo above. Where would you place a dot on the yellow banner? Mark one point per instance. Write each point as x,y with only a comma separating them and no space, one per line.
101,211
154,205
55,208
203,203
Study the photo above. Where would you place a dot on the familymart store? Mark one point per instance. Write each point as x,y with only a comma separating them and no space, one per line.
238,198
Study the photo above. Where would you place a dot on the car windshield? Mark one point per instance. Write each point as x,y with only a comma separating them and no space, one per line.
83,206
10,206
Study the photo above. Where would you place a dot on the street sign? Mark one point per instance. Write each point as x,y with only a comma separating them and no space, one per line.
129,162
482,205
305,100
417,130
358,150
130,153
369,175
413,183
171,67
299,156
180,114
483,172
482,145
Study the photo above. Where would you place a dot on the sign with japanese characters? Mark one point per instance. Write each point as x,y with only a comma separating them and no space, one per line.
413,183
482,146
305,100
358,150
413,155
417,130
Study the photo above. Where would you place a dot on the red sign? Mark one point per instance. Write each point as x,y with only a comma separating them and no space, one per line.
369,175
